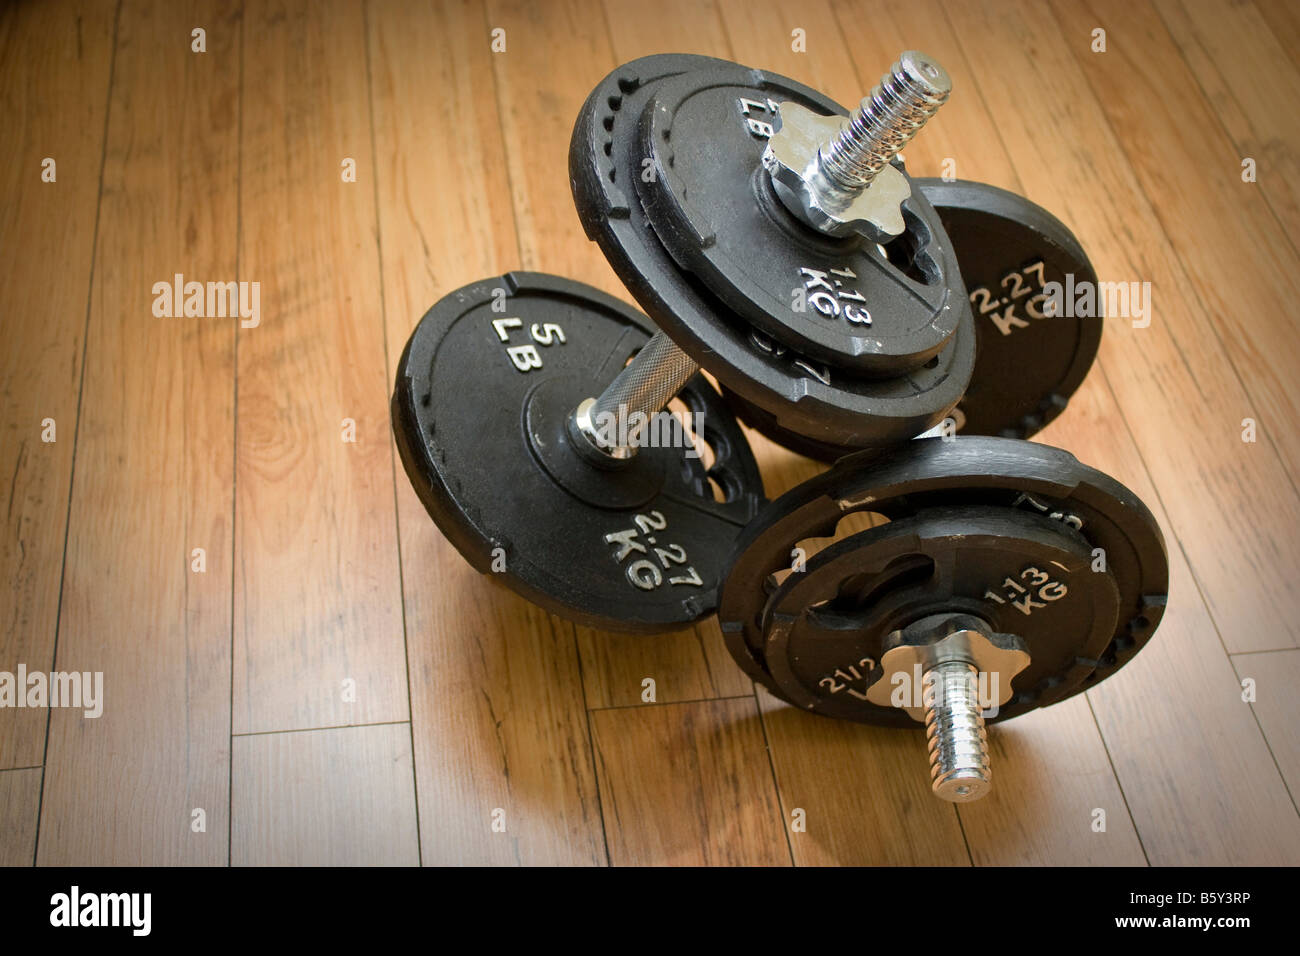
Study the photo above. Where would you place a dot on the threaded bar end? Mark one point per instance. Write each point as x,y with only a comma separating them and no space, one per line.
885,121
954,728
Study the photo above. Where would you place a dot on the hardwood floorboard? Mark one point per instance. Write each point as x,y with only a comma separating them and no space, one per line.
318,624
153,469
338,797
53,95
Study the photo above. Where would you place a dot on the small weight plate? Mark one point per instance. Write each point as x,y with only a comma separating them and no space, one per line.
804,395
484,389
827,626
996,481
1027,363
841,301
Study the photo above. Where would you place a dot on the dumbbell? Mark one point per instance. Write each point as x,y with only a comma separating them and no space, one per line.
841,339
1000,576
780,242
511,411
512,400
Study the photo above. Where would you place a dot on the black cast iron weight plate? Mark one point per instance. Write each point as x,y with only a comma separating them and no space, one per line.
1013,477
804,395
764,422
826,627
837,300
483,391
1027,362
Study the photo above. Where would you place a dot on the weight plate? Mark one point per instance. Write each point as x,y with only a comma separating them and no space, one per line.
484,390
828,626
931,481
713,206
1027,363
764,422
804,395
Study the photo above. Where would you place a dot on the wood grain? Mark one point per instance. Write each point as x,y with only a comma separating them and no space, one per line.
690,664
1283,18
1246,277
688,785
1276,676
865,792
555,53
1175,709
1253,83
1051,774
317,596
496,688
153,478
20,802
338,797
53,95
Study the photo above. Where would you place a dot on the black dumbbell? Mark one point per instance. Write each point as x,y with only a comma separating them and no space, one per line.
858,339
785,248
1001,576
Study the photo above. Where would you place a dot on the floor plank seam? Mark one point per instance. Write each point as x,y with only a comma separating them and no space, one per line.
76,428
1218,116
666,703
392,460
776,780
1137,831
234,440
1268,744
1177,256
312,730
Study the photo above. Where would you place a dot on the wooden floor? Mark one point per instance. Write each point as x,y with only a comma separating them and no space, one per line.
338,686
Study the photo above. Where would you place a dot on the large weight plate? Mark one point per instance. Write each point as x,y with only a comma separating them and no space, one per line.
1027,363
484,388
937,491
803,394
838,300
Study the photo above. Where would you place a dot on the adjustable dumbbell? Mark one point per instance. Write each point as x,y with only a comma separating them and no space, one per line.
781,243
1001,576
512,411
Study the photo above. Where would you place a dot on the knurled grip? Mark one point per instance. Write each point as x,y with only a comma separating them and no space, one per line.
648,384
